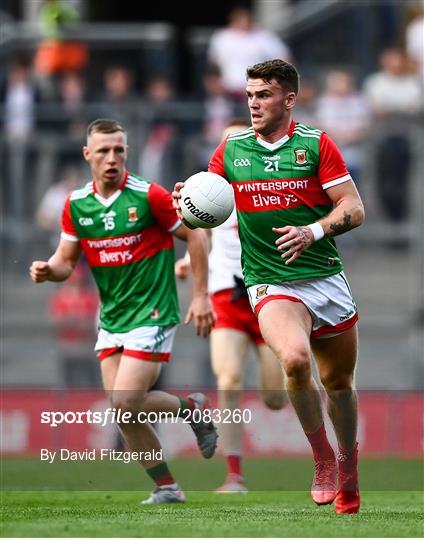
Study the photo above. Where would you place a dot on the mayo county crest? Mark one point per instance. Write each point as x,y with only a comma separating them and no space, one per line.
132,214
261,291
300,156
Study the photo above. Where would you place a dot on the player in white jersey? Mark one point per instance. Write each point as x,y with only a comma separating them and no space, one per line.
236,326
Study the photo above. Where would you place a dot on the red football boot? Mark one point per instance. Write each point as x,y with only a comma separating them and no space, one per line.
347,498
324,488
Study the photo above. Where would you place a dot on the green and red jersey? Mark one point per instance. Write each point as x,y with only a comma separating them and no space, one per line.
281,184
128,244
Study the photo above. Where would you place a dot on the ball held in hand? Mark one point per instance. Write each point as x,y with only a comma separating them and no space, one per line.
207,200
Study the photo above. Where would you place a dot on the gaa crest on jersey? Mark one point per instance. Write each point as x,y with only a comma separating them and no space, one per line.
300,154
261,291
132,214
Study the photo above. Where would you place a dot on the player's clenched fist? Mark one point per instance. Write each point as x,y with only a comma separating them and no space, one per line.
176,196
182,268
39,271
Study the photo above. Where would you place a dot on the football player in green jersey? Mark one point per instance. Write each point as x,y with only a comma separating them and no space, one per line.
293,196
125,226
236,326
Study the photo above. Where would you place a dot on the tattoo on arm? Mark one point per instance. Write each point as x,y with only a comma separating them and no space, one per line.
344,226
305,235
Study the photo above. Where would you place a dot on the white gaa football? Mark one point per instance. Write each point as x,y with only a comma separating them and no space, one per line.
207,200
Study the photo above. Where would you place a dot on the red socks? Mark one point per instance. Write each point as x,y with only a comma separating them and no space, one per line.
234,464
321,448
348,460
160,475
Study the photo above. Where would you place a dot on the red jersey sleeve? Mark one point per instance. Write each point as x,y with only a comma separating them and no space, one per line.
216,164
68,229
332,168
160,201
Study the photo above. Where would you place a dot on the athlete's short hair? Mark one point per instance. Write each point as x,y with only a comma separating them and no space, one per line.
104,125
284,73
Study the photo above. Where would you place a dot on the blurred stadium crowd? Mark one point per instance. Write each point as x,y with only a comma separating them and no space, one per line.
362,82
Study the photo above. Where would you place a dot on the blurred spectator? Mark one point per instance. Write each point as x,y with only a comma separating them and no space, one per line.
393,89
394,95
63,120
414,37
56,52
343,113
19,96
239,45
49,212
160,156
218,110
73,307
160,91
306,103
118,97
72,101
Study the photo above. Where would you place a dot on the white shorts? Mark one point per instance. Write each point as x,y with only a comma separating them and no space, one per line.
151,343
329,301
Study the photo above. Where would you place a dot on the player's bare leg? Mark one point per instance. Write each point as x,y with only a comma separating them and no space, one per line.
131,383
286,327
336,359
228,353
272,379
109,369
127,381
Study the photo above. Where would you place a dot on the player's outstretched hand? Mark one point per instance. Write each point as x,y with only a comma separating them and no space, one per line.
294,241
201,311
39,271
176,196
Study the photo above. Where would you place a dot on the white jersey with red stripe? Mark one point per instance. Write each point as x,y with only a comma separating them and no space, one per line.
225,256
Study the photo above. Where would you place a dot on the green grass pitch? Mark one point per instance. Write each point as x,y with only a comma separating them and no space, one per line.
84,500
